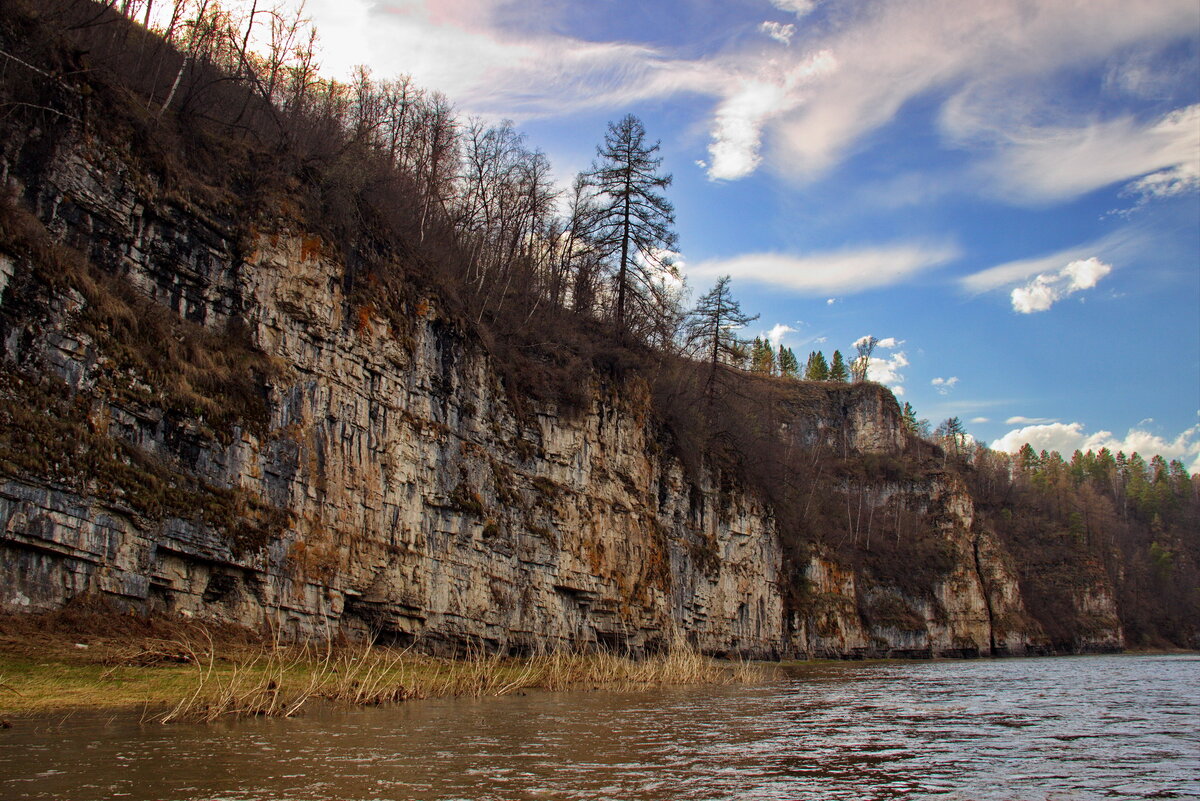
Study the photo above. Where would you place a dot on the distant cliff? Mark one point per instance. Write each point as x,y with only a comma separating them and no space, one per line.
200,414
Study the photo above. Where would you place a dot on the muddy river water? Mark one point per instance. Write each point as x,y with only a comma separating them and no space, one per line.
1103,727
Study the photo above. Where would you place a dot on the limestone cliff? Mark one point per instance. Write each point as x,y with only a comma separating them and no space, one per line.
356,469
973,608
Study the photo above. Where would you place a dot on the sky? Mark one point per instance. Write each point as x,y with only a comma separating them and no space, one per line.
1005,193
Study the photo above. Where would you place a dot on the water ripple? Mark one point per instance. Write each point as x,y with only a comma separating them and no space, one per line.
1124,727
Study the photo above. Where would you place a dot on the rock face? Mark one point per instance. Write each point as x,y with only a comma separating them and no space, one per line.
973,609
393,487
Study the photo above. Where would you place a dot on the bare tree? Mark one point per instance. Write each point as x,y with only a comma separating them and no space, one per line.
865,347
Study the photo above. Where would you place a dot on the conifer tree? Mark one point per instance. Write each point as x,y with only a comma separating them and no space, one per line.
762,356
952,432
788,366
1027,459
633,220
711,327
817,369
837,369
1081,466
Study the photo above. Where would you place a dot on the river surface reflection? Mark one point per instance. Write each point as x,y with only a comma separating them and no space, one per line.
1104,727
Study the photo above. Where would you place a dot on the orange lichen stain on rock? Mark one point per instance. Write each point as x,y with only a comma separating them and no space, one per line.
310,248
422,308
315,556
362,320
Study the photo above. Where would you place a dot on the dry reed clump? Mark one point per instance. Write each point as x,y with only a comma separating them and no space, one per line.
280,680
259,686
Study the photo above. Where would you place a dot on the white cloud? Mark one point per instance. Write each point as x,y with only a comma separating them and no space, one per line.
798,7
882,370
1043,164
1181,179
779,31
758,97
995,55
1011,272
1018,420
980,420
1066,438
1046,289
830,301
777,332
843,76
517,67
840,271
666,258
1124,245
887,371
737,130
944,385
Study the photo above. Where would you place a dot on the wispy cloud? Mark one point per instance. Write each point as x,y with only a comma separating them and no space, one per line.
842,76
800,8
779,31
1066,438
763,94
1019,420
843,271
1051,163
517,66
1120,247
1046,289
1005,50
1182,179
944,385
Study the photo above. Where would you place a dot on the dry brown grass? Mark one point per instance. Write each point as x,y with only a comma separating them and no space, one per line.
89,655
186,672
280,680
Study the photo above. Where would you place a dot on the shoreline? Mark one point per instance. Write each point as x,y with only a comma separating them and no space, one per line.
281,682
169,670
88,659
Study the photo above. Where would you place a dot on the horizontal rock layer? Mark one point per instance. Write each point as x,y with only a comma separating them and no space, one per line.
391,487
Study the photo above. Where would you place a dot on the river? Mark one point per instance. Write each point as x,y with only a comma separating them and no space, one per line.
1103,727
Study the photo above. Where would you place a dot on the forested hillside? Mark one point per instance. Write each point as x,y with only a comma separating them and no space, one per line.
1067,522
